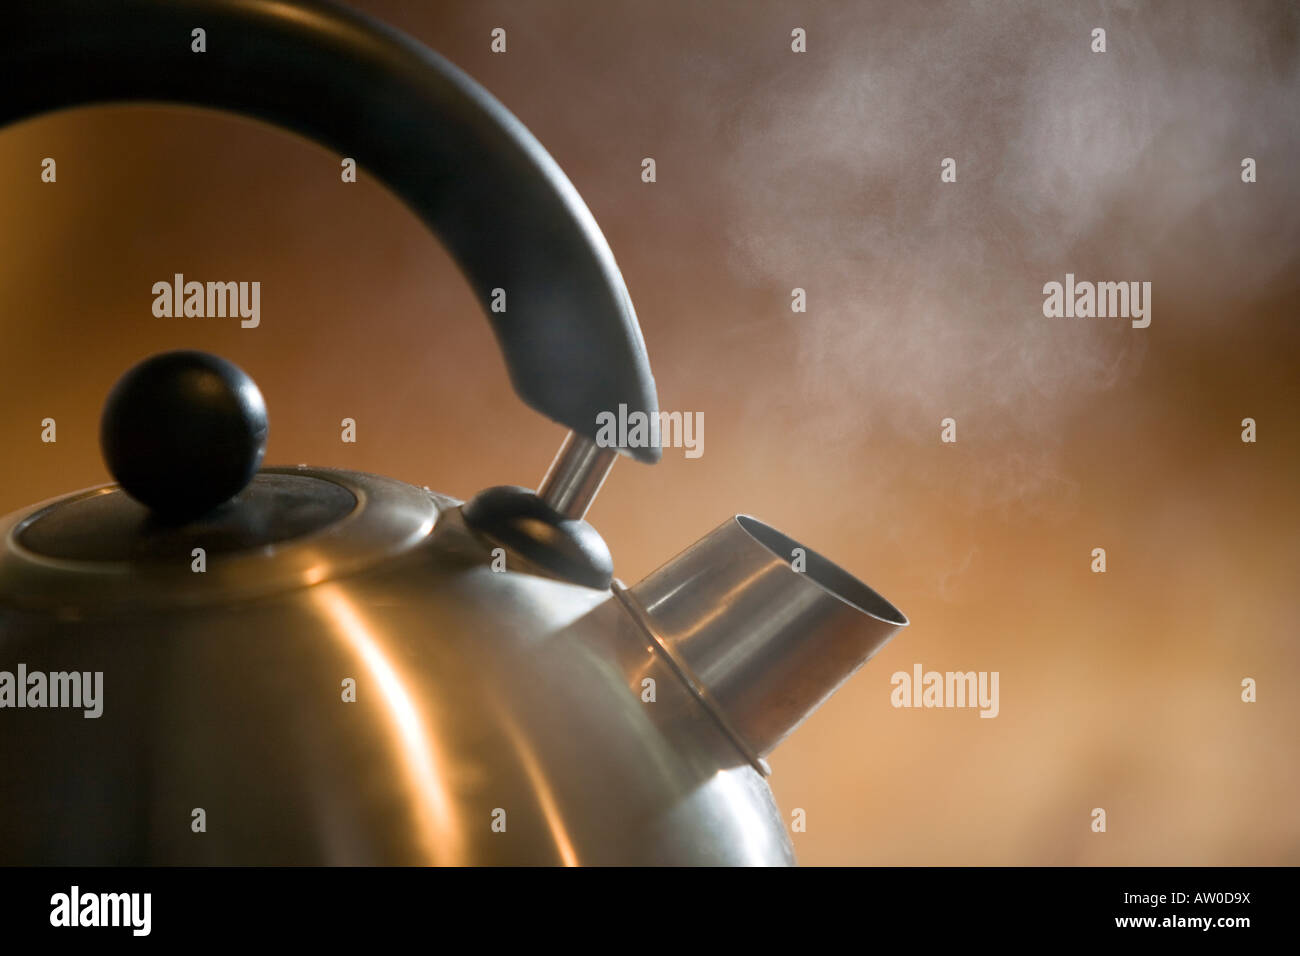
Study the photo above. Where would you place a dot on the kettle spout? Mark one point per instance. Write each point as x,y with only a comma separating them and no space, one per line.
763,629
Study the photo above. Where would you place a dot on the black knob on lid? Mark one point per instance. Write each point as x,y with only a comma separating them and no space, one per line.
183,432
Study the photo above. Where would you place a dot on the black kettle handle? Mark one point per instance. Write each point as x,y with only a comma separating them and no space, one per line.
456,156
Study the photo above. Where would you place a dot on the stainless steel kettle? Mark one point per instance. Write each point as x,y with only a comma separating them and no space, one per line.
322,666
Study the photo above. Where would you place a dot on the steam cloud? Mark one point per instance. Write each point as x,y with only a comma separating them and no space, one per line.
924,297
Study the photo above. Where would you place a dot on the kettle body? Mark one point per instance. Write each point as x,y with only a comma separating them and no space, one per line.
419,708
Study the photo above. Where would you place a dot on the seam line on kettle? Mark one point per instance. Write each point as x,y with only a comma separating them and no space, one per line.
687,676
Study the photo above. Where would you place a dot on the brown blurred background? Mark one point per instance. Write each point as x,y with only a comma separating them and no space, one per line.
821,171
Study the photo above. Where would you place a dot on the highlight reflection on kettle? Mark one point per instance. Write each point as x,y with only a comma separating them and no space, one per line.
541,714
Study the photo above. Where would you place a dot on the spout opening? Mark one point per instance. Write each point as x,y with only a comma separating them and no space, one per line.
826,574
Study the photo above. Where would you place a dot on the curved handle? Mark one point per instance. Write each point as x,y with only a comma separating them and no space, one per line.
469,169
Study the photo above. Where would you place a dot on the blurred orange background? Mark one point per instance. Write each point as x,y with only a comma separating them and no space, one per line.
778,170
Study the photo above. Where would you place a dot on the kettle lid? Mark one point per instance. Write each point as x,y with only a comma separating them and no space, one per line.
101,551
192,520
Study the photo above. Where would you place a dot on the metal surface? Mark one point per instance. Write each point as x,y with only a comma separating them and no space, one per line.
481,697
769,643
576,474
458,158
114,575
486,696
683,670
105,525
